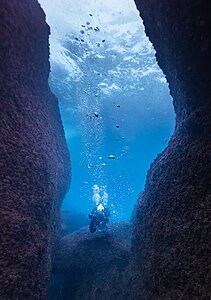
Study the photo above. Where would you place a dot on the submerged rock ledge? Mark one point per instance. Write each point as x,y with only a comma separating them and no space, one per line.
92,266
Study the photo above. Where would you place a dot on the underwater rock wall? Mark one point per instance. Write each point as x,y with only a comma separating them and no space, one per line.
35,163
172,228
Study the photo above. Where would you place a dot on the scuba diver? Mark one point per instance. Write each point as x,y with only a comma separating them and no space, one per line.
99,218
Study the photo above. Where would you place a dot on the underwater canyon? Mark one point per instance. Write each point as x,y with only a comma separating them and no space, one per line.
163,253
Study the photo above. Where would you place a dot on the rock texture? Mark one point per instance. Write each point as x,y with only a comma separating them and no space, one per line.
34,160
172,230
92,266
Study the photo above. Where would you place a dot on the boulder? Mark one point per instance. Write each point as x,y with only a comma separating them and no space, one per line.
92,265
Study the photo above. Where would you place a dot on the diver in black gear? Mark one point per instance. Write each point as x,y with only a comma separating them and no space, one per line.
99,218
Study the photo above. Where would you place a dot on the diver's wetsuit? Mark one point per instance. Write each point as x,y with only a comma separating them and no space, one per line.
99,219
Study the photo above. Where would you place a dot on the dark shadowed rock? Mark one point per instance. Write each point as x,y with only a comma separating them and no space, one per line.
92,266
34,160
172,231
72,221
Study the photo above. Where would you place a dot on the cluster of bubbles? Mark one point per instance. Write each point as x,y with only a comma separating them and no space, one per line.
97,198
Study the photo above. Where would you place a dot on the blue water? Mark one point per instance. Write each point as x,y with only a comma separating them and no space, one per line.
114,100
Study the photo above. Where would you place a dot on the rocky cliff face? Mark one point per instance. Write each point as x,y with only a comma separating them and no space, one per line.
34,163
171,237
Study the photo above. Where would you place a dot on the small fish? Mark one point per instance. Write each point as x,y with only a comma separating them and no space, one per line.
111,157
103,165
96,114
90,15
96,29
82,31
117,126
103,41
118,105
87,23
